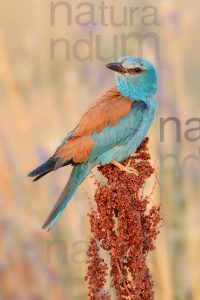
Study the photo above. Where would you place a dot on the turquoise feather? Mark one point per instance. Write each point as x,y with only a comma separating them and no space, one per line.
116,142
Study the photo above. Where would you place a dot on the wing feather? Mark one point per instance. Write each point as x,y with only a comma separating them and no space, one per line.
120,133
106,112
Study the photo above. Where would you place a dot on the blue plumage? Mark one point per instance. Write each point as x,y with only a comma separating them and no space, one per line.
79,173
87,145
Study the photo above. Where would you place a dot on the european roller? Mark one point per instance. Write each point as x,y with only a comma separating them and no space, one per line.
109,132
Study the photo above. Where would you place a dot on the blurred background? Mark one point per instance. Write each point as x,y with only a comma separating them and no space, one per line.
48,77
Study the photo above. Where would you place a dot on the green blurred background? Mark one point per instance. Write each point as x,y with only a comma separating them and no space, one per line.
42,98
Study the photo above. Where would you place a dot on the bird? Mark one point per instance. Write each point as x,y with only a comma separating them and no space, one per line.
109,132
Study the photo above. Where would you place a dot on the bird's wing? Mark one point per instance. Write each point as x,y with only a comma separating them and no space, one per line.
111,122
122,132
101,117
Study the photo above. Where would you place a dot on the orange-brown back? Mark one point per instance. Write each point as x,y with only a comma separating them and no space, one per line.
109,109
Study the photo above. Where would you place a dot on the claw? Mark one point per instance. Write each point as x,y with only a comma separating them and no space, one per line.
123,168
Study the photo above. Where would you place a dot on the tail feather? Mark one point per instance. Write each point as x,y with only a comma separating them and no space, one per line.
79,173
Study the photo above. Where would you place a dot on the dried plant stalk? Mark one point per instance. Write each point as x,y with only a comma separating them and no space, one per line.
124,227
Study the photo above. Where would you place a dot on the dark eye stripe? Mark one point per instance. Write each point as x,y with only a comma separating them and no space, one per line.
135,71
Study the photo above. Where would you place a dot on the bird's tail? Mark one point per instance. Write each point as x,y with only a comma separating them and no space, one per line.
78,174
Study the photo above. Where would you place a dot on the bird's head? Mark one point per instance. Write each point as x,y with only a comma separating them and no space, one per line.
135,77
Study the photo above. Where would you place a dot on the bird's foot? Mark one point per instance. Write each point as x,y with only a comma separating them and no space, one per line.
123,168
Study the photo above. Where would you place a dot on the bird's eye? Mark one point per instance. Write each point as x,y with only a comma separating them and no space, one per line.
138,70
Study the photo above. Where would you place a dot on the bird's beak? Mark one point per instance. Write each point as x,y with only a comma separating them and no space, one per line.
115,66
